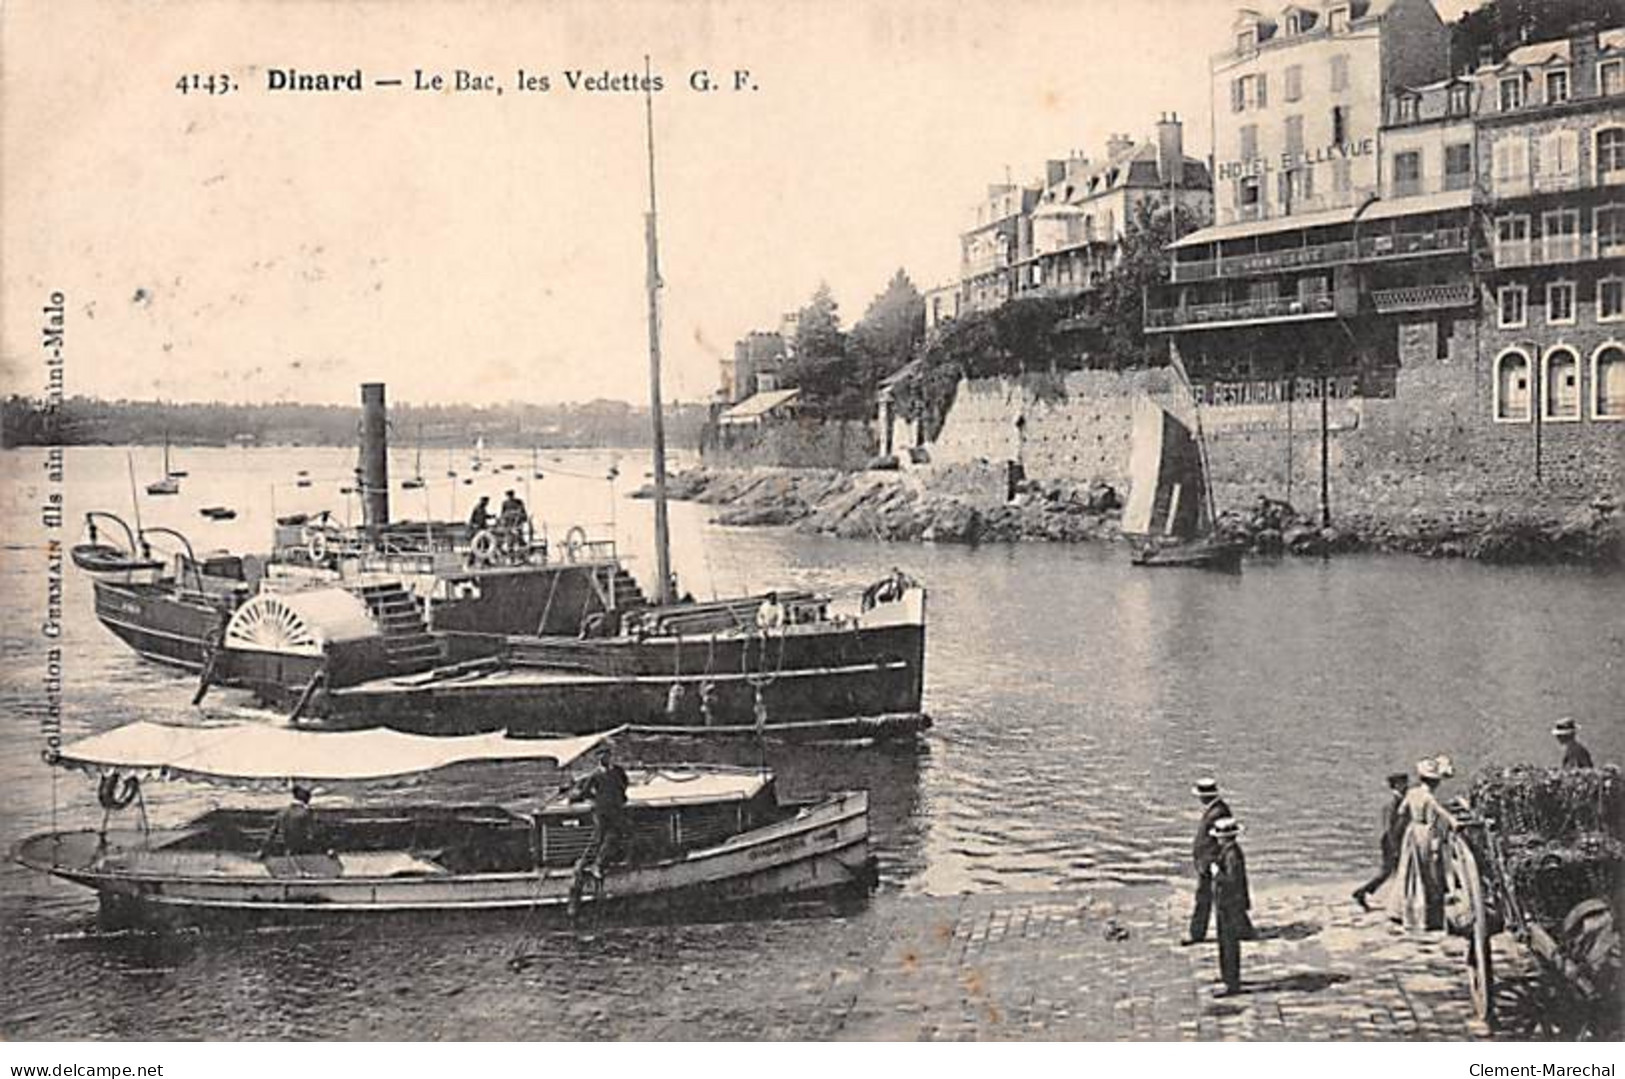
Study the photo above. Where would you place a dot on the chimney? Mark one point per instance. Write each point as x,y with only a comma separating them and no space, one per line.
1171,150
1054,172
1583,60
1118,145
374,468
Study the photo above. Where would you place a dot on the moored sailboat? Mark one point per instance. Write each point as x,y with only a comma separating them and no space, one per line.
1169,515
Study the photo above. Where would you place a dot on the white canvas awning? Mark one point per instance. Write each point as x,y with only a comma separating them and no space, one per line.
246,752
1241,229
1419,204
758,405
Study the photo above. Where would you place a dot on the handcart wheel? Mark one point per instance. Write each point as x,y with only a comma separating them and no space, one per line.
1462,867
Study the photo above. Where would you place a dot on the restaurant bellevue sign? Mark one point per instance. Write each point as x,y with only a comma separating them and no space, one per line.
1288,162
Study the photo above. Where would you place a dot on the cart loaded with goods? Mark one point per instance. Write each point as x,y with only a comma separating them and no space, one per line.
1541,855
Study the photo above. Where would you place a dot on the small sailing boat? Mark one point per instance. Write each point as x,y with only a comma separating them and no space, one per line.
1170,513
479,454
171,483
535,466
414,482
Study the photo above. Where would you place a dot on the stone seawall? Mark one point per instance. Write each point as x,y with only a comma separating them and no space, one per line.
966,503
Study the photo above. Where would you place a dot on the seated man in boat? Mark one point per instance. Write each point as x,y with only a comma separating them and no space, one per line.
770,615
294,831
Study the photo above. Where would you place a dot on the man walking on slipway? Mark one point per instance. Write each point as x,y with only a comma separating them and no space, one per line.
1203,852
1393,829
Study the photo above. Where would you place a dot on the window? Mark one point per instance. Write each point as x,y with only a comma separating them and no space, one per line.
1608,383
1610,226
1294,82
1249,142
1408,173
1512,164
1312,286
1512,387
1294,135
1294,24
1443,330
1511,300
1263,89
1611,77
1340,125
1560,235
1461,99
1458,166
1338,21
1246,39
1406,108
1611,299
1557,87
1512,241
1559,157
1342,175
1263,291
1340,73
1247,196
1560,303
1512,93
1610,152
1248,92
1561,399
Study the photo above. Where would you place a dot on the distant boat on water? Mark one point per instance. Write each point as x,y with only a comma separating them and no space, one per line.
171,483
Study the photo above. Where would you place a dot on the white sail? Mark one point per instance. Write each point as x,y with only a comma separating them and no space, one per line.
1167,489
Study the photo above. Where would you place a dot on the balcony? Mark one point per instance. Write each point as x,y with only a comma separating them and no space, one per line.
1238,312
1372,248
1557,250
1562,181
1422,298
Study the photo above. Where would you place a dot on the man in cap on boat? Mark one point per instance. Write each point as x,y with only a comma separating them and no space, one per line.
1575,755
512,519
611,831
1234,901
1393,829
479,519
294,831
1203,851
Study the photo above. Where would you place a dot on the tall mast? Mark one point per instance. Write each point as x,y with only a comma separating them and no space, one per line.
656,418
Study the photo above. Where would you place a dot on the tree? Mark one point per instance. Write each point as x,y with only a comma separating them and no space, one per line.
820,367
885,338
1142,264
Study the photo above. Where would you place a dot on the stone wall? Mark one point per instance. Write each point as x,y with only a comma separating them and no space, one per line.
798,443
1434,447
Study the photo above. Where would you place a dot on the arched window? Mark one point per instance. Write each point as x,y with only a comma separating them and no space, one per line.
1608,382
1560,385
1512,387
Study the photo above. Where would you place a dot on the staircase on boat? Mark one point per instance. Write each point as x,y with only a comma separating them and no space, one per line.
407,641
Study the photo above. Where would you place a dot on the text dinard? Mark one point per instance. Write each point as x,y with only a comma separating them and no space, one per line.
458,80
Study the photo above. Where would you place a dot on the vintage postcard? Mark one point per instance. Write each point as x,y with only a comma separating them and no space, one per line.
813,521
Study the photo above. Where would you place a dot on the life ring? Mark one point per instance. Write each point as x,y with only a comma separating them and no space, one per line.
575,541
316,546
112,794
483,547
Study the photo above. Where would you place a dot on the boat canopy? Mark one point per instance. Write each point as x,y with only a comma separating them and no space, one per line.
253,753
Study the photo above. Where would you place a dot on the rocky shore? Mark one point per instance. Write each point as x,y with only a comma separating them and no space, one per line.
965,504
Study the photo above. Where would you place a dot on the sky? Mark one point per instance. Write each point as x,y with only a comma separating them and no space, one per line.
480,247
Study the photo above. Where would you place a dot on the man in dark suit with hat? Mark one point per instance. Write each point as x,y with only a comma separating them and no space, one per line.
1203,851
1234,901
294,831
1575,755
1393,829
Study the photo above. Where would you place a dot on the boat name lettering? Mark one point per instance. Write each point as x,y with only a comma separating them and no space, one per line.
783,846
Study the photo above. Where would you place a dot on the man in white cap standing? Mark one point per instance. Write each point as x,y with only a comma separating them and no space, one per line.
1575,755
1234,902
1203,852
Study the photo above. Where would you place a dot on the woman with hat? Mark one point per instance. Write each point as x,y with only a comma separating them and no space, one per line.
1415,894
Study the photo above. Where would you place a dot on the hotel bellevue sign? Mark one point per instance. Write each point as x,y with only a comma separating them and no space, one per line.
1288,162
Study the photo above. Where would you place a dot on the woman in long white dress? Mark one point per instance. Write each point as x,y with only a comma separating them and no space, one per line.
1415,893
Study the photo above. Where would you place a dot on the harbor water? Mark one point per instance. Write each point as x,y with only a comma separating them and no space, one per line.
1075,701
